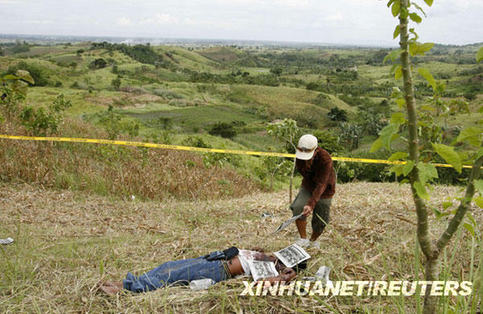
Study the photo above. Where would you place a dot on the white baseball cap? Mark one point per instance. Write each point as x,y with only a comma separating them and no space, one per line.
306,147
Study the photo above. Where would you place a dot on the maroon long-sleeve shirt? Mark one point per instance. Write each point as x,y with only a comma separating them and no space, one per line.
318,176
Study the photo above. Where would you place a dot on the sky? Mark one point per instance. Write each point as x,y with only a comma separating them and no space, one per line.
359,22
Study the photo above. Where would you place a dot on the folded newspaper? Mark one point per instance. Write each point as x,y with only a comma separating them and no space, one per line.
286,223
262,269
292,255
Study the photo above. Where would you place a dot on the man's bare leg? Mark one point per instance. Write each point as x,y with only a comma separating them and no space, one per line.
315,235
301,227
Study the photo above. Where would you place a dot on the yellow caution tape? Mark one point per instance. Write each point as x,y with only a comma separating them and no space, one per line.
197,149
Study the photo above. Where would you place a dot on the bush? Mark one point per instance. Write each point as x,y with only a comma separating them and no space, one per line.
98,64
38,73
223,129
350,171
196,141
328,141
41,121
336,114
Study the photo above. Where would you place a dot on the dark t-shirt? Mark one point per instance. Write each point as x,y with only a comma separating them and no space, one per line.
318,177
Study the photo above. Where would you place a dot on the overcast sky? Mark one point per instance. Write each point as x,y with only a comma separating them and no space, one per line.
364,22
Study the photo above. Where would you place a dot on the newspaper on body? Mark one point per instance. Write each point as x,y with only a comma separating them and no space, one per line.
292,255
262,269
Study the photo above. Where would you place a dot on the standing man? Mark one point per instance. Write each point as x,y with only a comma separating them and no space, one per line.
318,187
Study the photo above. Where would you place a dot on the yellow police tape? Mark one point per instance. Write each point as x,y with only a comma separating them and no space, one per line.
196,149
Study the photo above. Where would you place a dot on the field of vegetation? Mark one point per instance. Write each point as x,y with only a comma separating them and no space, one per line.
67,242
82,213
225,96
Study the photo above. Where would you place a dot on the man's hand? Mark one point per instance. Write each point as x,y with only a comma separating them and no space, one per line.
307,210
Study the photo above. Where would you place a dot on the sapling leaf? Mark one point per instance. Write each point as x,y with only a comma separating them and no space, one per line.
449,155
427,76
392,55
398,73
397,169
421,191
407,168
419,8
10,77
398,118
396,8
416,36
400,102
429,2
25,75
427,172
397,31
416,48
471,135
415,17
398,156
377,145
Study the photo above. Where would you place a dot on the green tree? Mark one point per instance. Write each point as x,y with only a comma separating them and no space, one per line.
419,172
288,133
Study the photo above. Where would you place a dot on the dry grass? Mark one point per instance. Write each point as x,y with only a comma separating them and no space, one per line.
66,242
119,171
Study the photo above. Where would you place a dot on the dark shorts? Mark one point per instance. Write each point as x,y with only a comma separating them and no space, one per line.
321,213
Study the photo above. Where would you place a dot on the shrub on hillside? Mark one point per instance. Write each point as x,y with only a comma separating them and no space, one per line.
223,129
328,140
336,114
38,73
42,121
98,63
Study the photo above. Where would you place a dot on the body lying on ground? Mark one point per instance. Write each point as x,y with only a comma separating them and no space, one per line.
181,272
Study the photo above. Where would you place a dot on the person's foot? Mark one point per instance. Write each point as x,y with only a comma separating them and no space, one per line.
303,242
111,288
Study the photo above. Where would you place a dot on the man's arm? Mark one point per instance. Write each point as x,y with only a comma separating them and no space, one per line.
323,170
286,275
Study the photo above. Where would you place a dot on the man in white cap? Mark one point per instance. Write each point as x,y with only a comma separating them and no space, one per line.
318,187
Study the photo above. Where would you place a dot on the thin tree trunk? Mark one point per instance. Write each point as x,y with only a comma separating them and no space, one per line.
432,265
291,180
421,209
432,268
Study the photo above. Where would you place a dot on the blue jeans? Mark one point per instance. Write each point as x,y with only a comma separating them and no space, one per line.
176,272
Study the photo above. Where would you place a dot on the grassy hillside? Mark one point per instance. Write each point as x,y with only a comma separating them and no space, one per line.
177,95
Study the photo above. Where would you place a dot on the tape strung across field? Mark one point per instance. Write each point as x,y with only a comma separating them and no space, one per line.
197,149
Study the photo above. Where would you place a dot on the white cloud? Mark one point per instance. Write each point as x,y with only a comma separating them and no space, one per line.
334,17
124,21
161,19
